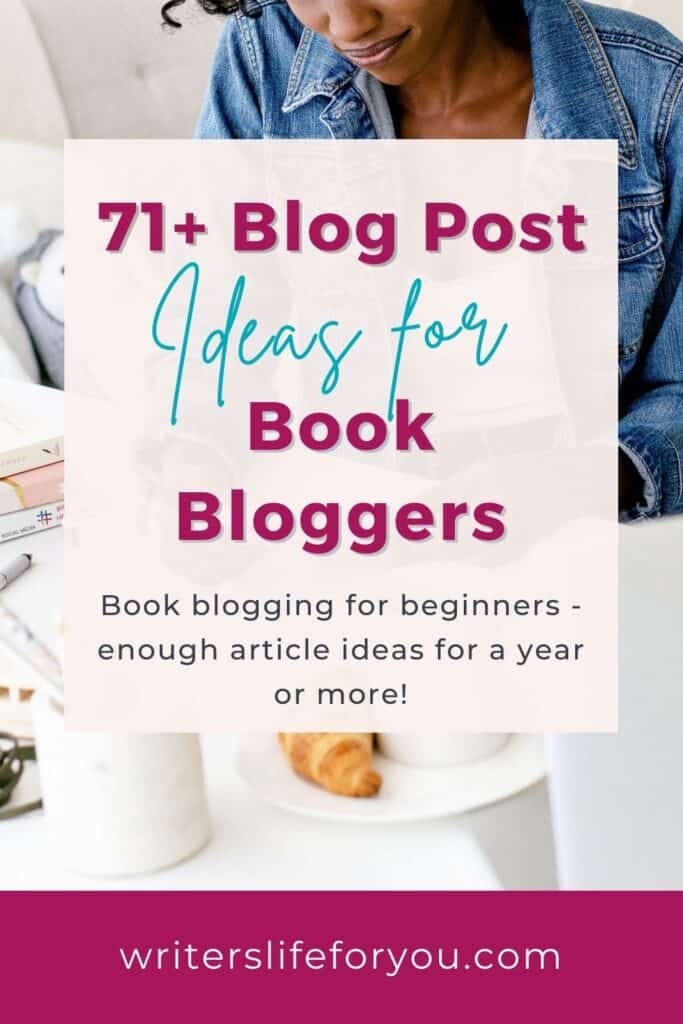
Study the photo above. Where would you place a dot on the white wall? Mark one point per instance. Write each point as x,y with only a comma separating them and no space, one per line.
669,12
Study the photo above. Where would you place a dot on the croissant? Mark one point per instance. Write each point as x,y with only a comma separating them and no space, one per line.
341,762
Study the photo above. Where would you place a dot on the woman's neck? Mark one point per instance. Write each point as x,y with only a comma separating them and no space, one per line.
472,70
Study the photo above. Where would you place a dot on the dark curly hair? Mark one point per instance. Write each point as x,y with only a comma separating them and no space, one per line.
507,16
250,7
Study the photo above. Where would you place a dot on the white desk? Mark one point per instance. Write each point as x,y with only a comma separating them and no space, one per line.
254,846
37,596
37,599
258,847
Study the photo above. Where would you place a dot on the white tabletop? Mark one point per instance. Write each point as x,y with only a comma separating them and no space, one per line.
37,596
260,848
254,846
44,578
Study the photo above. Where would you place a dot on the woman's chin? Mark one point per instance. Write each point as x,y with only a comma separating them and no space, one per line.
399,71
393,76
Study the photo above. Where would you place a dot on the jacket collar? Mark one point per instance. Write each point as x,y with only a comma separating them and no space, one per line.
576,92
318,70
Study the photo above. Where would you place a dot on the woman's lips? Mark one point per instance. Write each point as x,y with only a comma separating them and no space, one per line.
378,53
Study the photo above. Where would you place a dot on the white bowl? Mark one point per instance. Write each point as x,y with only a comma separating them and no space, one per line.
422,751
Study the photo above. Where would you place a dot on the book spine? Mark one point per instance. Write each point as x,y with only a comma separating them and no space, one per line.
33,456
35,487
31,520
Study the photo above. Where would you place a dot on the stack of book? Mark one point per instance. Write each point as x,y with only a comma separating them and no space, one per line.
31,463
31,499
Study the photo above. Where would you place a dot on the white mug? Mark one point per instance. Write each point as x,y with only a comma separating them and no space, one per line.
437,751
119,805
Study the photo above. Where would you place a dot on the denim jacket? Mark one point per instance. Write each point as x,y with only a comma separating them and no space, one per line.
598,73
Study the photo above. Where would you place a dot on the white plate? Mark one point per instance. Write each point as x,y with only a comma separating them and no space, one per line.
407,794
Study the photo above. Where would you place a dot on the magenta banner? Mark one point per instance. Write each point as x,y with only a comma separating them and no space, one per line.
337,957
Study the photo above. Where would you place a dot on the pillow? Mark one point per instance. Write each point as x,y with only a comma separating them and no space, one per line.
39,295
17,358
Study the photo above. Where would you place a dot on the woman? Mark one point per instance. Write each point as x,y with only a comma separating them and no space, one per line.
497,69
